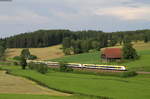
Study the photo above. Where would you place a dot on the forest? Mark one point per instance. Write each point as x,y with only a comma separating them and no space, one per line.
2,47
73,41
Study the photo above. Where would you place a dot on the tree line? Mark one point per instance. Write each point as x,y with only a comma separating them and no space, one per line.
94,40
2,48
75,41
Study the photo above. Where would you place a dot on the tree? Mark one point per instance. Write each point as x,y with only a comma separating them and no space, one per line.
113,42
95,45
23,63
145,39
64,68
66,42
84,46
129,52
68,51
2,48
25,53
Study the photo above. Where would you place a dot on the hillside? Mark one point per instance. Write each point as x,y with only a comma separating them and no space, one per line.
42,53
22,86
94,58
45,38
137,45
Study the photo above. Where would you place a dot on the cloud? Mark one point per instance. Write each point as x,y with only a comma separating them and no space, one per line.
108,15
23,18
126,13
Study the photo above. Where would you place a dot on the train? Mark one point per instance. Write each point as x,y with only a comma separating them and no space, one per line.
87,66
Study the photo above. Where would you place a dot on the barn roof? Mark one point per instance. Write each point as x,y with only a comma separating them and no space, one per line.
112,52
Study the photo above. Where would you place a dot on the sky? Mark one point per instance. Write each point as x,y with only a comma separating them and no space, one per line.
19,16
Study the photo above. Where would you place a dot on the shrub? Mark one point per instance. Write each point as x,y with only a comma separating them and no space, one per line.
68,51
17,58
40,67
32,57
32,66
64,67
129,52
128,74
16,63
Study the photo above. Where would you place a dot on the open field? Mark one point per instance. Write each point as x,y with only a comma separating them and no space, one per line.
142,64
137,45
42,53
114,87
18,85
23,96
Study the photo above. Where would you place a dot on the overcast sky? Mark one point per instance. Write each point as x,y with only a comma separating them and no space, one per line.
21,16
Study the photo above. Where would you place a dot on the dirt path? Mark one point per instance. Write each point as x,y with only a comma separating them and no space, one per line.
19,85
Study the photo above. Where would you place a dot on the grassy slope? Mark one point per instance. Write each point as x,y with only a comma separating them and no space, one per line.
118,88
143,64
22,96
23,86
42,53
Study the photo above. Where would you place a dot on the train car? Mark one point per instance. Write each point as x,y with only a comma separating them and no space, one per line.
52,63
75,65
112,67
104,67
90,66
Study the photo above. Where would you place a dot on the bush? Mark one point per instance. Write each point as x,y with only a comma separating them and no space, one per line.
32,66
16,63
68,51
129,52
65,68
18,58
128,74
32,57
40,67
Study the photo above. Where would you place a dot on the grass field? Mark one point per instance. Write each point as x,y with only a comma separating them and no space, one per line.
23,96
114,87
138,45
18,85
142,64
42,53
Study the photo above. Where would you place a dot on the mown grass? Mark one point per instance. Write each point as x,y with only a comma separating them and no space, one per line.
29,96
19,85
114,87
42,53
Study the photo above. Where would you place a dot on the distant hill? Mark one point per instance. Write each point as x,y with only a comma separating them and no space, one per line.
45,38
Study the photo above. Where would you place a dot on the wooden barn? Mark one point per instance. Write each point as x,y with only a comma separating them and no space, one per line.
111,54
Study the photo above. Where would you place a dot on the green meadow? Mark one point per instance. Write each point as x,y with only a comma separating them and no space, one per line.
137,87
142,64
30,96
